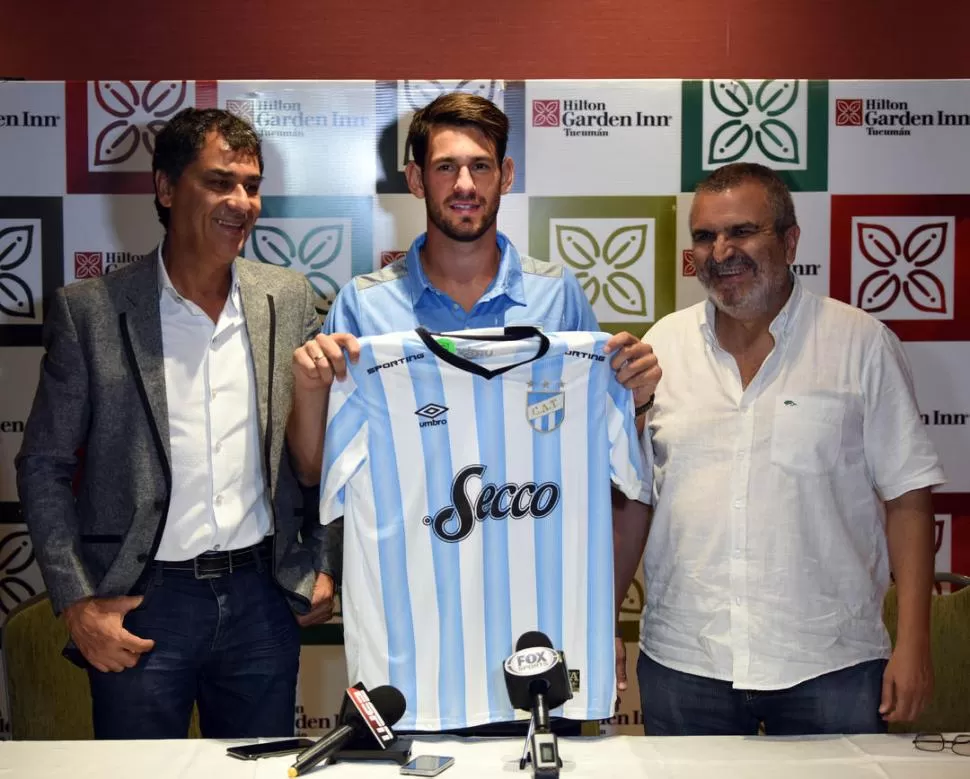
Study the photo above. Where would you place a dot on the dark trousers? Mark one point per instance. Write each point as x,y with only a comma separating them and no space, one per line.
681,704
230,643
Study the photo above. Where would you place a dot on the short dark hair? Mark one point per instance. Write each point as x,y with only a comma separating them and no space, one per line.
458,109
736,173
181,140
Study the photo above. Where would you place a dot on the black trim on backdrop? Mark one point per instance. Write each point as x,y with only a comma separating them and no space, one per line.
11,513
50,212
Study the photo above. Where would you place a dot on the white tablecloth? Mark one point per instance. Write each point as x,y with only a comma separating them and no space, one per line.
615,757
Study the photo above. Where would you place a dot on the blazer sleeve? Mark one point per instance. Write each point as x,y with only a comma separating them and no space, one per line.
313,321
48,458
325,543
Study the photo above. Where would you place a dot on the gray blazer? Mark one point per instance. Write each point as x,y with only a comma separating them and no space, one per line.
102,389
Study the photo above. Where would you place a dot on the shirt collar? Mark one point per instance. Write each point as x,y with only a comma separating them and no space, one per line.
507,281
167,291
780,326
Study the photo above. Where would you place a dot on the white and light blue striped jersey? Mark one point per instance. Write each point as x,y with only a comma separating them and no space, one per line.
473,470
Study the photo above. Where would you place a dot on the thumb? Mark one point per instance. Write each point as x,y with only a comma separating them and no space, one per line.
135,643
125,603
888,702
621,683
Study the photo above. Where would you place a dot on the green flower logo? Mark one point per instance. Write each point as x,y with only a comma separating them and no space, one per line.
756,116
603,267
318,248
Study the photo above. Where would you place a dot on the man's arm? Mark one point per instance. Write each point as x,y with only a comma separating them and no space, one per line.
316,364
46,463
47,460
908,681
631,525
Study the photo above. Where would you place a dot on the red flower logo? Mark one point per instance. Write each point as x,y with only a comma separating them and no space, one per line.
902,267
545,113
848,113
139,116
388,257
88,265
687,263
244,109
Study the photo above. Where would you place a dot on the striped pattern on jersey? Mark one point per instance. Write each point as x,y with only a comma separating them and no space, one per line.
473,470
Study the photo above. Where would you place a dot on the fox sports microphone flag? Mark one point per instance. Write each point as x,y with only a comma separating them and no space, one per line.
473,470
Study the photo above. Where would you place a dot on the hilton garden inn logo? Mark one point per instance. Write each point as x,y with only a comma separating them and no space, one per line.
20,271
287,118
613,259
318,248
903,267
585,118
753,121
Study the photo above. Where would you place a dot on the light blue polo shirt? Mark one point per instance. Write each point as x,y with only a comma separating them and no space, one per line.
400,297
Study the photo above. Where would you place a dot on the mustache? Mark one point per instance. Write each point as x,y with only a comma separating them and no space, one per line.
730,266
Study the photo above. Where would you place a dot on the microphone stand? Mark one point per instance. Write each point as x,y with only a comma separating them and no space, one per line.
541,742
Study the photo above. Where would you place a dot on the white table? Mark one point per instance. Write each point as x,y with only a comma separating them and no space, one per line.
615,757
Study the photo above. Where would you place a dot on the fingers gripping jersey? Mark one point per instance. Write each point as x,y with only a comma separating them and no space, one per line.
473,470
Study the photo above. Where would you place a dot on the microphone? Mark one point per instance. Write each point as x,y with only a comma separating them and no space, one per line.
368,716
537,680
536,674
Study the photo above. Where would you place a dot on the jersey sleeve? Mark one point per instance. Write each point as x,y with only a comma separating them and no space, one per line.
343,315
344,446
577,313
626,455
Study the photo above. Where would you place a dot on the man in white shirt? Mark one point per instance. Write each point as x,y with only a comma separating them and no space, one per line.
791,474
180,563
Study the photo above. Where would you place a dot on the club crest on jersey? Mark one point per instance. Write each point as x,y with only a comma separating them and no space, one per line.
545,406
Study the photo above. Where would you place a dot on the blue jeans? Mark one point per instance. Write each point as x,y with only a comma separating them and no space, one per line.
230,643
681,704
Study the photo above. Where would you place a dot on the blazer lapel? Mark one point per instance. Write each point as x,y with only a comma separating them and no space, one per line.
141,327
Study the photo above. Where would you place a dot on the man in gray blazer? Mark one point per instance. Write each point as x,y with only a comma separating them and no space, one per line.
180,563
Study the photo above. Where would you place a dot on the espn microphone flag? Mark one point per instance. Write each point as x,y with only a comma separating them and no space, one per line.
361,714
474,481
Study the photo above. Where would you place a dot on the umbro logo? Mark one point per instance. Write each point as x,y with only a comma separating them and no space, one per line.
430,413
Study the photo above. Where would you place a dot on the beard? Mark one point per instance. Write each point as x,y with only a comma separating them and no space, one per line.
462,229
767,286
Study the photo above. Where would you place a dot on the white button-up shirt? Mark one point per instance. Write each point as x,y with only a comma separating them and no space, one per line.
219,499
767,560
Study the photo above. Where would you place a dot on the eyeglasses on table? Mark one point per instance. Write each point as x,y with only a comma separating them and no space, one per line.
936,742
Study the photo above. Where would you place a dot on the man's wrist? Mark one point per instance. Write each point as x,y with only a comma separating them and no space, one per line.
643,408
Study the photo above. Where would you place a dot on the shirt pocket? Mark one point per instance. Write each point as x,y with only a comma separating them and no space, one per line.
807,433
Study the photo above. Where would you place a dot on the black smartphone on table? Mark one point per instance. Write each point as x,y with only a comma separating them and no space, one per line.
270,748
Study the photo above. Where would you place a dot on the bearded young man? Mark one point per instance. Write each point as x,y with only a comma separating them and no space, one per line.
460,274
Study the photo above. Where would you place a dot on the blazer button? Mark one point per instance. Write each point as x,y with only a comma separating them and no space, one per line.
159,505
142,557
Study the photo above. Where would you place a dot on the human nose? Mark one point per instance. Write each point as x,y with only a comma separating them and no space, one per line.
464,182
239,198
722,249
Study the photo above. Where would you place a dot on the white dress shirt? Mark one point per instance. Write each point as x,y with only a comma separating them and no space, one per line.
767,560
219,499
